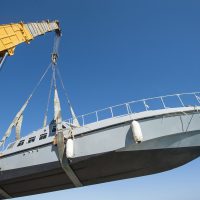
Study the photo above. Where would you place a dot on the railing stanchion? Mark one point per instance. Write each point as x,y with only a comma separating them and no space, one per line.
111,111
82,116
131,109
128,108
145,105
197,98
163,102
97,116
180,100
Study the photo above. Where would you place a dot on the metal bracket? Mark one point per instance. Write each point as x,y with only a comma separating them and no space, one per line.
4,194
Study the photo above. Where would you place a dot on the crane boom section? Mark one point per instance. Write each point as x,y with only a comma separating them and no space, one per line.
13,34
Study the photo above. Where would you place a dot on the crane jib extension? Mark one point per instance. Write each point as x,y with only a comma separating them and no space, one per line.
12,35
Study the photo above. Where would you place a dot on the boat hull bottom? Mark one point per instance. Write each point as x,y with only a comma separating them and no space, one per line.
92,170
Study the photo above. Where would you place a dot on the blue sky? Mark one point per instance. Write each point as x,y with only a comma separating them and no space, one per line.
112,51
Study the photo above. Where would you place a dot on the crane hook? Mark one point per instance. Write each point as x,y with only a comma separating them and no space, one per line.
54,58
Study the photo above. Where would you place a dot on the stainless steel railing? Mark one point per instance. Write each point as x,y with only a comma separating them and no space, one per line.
155,103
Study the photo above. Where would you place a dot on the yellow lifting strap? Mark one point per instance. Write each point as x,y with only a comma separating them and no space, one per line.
4,194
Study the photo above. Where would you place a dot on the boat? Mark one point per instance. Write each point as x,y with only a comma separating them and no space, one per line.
124,141
133,139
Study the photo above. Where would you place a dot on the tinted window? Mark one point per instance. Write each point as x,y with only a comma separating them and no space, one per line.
54,129
32,139
21,143
43,136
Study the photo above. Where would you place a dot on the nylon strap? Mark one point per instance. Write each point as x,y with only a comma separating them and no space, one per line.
48,101
74,118
17,119
64,161
18,127
61,143
4,194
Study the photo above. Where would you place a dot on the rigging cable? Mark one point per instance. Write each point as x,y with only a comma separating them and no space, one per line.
62,84
17,121
48,102
75,120
18,116
39,82
54,57
56,43
54,75
64,161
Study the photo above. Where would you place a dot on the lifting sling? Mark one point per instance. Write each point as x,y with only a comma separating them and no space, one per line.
4,194
61,143
64,161
58,119
17,121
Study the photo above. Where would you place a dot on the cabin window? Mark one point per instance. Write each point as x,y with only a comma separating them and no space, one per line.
32,139
20,143
54,129
43,136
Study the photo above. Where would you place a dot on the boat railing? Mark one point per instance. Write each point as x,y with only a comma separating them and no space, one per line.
154,103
